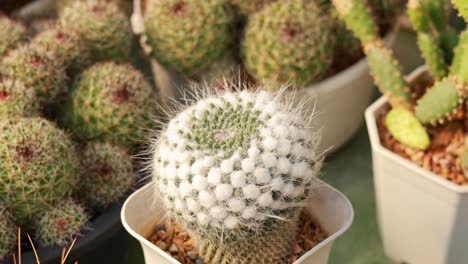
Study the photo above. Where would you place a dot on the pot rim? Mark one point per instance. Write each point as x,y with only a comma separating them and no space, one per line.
377,147
320,184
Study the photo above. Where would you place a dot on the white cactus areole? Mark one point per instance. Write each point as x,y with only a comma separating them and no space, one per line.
235,161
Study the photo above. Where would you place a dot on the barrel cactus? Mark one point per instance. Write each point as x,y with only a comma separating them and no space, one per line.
235,169
8,233
289,41
105,30
17,99
12,33
106,174
60,223
38,166
187,35
111,102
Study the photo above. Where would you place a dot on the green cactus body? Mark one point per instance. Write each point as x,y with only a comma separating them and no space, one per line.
35,67
387,74
460,63
8,234
188,35
60,223
406,128
288,41
38,166
431,50
235,169
104,30
439,103
12,33
247,8
464,158
111,102
124,5
106,174
448,42
18,100
462,6
66,45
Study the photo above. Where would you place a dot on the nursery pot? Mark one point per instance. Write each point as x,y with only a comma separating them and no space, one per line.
423,218
105,242
338,101
330,208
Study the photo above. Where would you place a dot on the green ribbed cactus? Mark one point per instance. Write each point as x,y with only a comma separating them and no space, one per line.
106,174
111,102
8,234
18,100
12,33
288,41
35,67
38,166
60,223
235,169
105,30
187,35
448,95
247,8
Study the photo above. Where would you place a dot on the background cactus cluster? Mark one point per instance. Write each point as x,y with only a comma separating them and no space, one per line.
445,52
72,108
235,169
297,41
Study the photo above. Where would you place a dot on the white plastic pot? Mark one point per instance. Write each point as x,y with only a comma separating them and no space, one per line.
339,101
423,218
330,208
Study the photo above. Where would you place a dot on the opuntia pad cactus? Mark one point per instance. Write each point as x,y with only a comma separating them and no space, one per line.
12,33
106,174
60,223
17,99
35,67
38,166
289,41
235,170
111,102
105,30
187,35
8,234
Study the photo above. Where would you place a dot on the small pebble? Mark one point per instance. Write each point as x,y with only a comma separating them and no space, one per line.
173,248
297,249
192,254
161,244
162,234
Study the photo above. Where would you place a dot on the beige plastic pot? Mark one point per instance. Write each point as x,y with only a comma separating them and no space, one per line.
339,101
140,214
423,218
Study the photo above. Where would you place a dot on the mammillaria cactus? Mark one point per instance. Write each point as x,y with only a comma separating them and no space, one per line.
58,224
249,7
187,35
235,169
106,174
38,166
8,234
111,102
441,102
12,33
17,99
104,30
288,41
124,5
35,67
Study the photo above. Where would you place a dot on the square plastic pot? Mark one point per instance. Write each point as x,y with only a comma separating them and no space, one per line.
423,217
338,101
140,214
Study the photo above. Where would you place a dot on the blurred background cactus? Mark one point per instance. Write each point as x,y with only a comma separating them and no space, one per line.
234,169
414,112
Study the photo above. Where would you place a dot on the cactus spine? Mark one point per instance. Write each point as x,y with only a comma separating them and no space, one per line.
12,33
8,234
38,166
58,224
106,174
247,8
235,169
18,100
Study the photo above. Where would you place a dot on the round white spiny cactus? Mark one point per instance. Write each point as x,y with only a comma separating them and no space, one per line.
239,159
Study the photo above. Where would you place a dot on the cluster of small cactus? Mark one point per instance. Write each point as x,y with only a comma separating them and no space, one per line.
445,53
235,169
276,41
52,176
